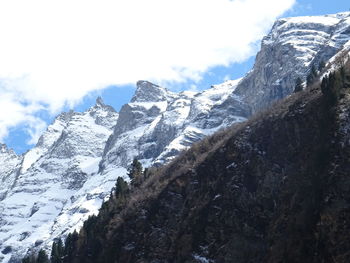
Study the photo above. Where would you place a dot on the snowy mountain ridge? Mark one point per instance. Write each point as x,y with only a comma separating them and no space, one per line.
55,186
289,51
51,173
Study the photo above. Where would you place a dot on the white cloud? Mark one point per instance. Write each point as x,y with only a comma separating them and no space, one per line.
55,52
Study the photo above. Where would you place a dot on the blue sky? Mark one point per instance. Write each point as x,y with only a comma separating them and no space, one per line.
18,134
117,96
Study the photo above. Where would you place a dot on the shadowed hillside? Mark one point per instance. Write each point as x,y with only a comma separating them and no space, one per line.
274,189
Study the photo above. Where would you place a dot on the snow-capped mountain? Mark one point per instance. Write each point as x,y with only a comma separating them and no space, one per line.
42,183
289,51
158,124
55,186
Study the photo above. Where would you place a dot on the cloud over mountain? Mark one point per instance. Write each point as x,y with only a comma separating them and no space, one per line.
53,53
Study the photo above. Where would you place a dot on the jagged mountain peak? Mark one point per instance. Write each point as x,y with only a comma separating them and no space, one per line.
149,92
103,114
5,150
101,108
3,147
100,102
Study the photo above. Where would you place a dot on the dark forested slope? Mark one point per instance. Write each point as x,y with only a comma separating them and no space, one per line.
273,189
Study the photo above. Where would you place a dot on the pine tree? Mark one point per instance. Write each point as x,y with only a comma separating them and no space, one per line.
54,253
146,173
345,77
60,249
67,248
29,259
42,257
121,188
70,246
135,172
330,87
298,85
57,251
324,85
347,81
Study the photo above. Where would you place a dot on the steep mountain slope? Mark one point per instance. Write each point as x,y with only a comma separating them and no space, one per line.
273,189
55,186
9,168
47,182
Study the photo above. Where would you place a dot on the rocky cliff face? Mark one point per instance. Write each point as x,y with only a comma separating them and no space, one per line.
55,186
10,165
288,52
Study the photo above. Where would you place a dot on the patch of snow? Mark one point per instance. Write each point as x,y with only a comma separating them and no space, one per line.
201,259
162,105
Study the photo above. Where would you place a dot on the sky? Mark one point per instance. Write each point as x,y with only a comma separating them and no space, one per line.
61,55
